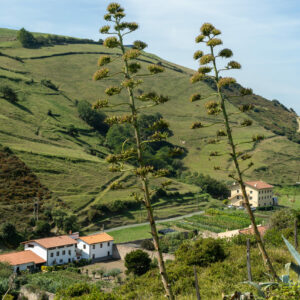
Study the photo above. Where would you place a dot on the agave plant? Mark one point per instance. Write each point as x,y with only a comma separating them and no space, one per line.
284,289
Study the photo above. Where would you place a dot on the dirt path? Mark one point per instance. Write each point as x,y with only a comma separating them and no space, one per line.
157,221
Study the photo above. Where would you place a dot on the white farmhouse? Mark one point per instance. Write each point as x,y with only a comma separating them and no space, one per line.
96,247
23,260
54,250
259,194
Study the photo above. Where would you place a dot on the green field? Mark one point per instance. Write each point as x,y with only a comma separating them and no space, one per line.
63,163
215,221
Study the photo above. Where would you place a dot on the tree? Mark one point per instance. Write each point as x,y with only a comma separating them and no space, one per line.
209,71
93,118
26,38
43,228
9,94
137,262
70,223
101,272
131,81
9,234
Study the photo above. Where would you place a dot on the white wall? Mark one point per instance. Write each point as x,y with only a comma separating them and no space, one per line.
95,251
23,267
85,248
46,253
37,249
98,252
68,256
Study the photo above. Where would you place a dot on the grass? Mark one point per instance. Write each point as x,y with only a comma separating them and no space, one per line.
131,234
63,163
288,196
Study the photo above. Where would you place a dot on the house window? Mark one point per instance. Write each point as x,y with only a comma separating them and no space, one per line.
57,253
250,192
64,252
101,245
75,245
250,198
238,197
51,254
238,191
93,246
30,246
108,243
69,252
61,260
93,256
84,246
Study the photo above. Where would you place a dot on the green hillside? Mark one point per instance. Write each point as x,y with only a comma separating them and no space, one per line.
67,165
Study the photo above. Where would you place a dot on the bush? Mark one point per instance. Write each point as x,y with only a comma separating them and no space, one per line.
281,219
92,117
137,262
49,84
148,245
201,253
8,94
241,239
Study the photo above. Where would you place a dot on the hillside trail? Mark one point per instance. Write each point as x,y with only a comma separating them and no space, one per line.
107,189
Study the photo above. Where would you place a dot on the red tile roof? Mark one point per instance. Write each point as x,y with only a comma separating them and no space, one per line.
259,184
97,238
55,241
262,230
23,257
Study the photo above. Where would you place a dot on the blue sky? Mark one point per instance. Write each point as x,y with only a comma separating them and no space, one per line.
264,35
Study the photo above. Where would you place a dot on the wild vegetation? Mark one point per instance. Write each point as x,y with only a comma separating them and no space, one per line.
57,168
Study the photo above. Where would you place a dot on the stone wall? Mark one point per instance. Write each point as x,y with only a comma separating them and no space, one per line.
30,295
120,251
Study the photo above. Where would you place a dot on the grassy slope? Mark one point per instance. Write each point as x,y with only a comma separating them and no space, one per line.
63,163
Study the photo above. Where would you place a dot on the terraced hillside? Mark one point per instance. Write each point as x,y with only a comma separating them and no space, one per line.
72,166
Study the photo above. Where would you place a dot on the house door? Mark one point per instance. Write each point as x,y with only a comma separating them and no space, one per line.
108,253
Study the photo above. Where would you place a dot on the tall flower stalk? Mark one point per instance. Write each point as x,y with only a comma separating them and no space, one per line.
136,103
209,70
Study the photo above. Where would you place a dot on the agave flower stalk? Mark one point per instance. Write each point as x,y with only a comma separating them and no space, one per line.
209,70
131,80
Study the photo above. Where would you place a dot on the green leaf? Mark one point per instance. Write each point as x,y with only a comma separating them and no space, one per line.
258,288
292,250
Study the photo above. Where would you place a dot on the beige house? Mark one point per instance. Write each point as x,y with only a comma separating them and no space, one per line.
259,194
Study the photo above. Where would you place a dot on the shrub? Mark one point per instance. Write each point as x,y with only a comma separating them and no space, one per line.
48,83
9,94
201,253
282,219
137,262
148,245
241,239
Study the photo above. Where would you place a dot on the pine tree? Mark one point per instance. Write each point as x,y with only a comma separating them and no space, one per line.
209,70
136,104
